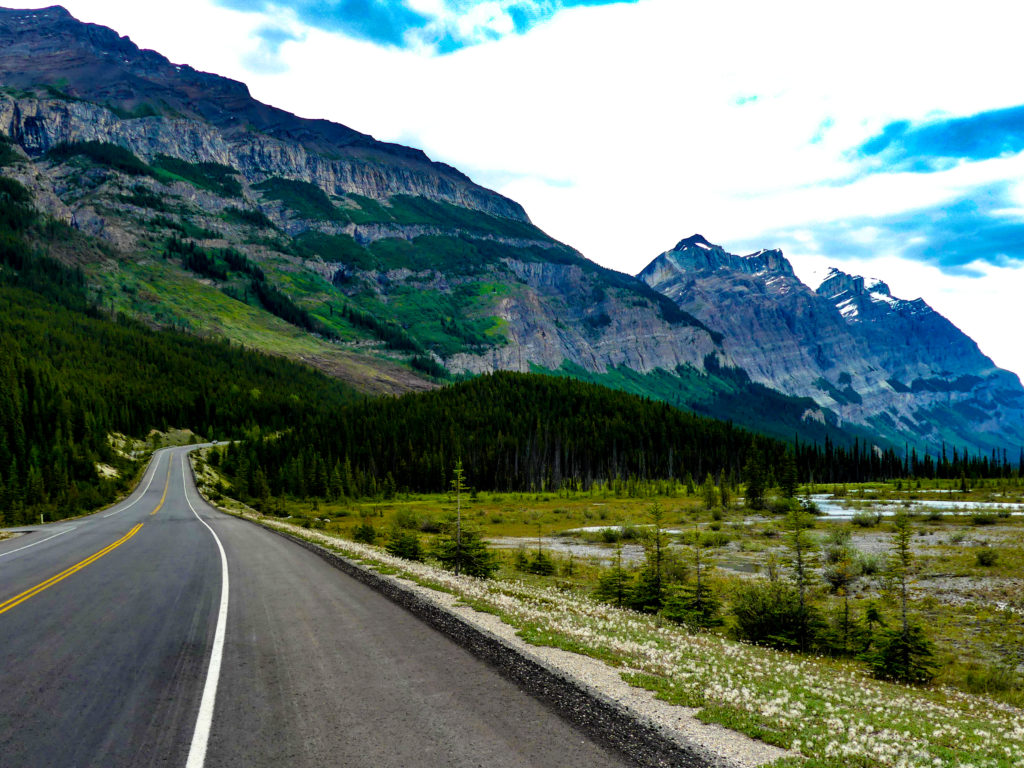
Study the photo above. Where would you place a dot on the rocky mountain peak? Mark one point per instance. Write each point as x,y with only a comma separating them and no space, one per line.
695,254
695,240
837,282
857,297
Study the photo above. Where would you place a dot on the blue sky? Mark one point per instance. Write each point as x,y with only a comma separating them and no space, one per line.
888,142
439,26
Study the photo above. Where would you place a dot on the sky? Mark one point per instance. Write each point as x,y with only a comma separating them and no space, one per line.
885,139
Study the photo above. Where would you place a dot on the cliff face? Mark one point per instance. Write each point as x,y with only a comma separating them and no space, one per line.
774,326
573,313
911,340
895,366
423,269
97,85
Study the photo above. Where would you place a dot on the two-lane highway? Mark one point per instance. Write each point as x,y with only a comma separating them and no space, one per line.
105,632
119,647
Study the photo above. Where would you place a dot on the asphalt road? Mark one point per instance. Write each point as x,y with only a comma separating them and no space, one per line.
119,648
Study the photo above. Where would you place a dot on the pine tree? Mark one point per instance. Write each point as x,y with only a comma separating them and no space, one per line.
904,654
650,590
695,604
800,558
613,586
753,474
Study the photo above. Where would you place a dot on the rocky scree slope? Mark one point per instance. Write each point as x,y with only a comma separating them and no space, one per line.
894,366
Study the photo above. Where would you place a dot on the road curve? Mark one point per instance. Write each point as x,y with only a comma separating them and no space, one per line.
108,627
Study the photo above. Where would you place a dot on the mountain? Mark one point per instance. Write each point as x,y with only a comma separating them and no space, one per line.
377,264
187,204
387,250
90,83
896,367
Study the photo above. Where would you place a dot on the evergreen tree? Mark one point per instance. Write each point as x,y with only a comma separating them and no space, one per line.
904,654
651,587
709,493
405,544
800,558
458,488
753,474
788,478
695,604
614,584
466,554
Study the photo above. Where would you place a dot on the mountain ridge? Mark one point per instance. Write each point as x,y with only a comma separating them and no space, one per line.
894,365
395,273
89,68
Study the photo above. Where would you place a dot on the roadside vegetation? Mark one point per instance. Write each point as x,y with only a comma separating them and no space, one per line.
702,604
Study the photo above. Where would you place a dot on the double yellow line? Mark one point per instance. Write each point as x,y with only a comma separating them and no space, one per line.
19,599
167,483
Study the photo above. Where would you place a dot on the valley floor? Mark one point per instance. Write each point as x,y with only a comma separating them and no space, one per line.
812,711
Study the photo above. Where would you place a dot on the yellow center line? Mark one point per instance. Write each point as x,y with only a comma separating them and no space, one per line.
19,599
167,484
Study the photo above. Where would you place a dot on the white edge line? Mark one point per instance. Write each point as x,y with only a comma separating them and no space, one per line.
129,506
12,551
204,721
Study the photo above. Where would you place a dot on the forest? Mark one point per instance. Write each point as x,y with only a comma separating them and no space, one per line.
71,375
529,432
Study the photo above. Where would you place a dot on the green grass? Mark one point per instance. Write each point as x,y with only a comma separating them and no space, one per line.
102,153
827,710
303,198
214,177
334,249
414,210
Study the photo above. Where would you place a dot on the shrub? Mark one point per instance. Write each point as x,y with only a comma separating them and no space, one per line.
405,544
868,564
541,564
406,519
714,539
614,586
866,519
769,613
992,678
630,532
364,533
693,605
986,557
984,518
905,656
429,525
